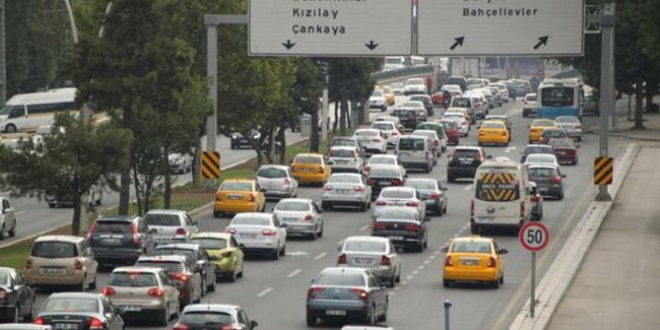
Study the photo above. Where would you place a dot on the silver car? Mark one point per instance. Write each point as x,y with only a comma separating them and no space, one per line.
400,196
301,215
180,162
277,180
572,125
346,189
436,146
378,160
170,226
372,140
375,253
432,193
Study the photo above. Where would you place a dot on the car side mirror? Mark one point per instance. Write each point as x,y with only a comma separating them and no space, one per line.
153,231
504,251
444,249
254,324
263,190
212,257
284,225
312,281
444,189
241,246
563,175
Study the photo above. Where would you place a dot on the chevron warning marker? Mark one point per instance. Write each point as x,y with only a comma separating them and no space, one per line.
603,170
210,164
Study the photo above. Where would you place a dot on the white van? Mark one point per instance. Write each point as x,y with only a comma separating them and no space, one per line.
393,63
503,196
29,111
416,151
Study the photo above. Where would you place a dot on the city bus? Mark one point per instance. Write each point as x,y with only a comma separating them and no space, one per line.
559,97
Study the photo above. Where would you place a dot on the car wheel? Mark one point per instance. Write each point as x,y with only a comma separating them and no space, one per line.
2,232
579,138
17,314
326,206
383,317
320,233
446,283
311,320
33,311
211,287
216,214
495,284
283,251
92,286
502,279
202,287
363,207
475,230
451,179
10,128
275,254
12,231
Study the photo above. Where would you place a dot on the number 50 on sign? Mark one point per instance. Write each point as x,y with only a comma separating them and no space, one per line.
534,236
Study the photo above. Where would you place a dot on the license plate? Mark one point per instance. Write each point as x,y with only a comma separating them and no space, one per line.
290,219
306,170
53,270
335,312
235,197
112,241
396,238
341,161
248,235
131,308
363,261
66,326
470,262
385,183
342,191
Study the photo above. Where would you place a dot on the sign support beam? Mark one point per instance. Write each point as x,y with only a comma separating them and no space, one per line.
606,22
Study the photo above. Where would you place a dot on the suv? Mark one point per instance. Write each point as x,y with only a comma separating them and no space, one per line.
198,257
464,161
120,239
170,225
8,219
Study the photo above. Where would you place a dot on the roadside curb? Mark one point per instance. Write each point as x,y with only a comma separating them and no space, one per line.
562,270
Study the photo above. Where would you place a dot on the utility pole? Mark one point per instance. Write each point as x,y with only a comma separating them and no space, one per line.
3,56
606,21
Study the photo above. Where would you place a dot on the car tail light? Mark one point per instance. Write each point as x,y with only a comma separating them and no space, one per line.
413,227
218,196
449,262
394,133
359,188
180,231
3,294
385,261
491,262
535,198
181,326
415,204
251,198
379,226
108,291
482,132
96,324
435,196
39,320
136,235
311,293
578,126
377,139
179,277
436,142
327,188
363,295
309,217
397,182
226,254
230,231
28,264
371,181
380,203
366,169
287,181
341,259
91,230
77,264
556,180
268,232
155,292
503,133
522,209
472,208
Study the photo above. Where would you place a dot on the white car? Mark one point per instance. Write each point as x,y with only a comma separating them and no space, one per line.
453,89
380,160
390,132
372,252
372,140
277,180
571,124
259,233
397,88
170,226
415,86
463,124
433,136
400,196
7,220
346,189
542,159
301,215
180,162
378,100
345,158
530,104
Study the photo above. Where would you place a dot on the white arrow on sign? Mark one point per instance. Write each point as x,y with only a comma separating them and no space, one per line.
297,253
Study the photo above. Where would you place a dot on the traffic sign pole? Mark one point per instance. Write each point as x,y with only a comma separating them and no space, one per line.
534,236
532,287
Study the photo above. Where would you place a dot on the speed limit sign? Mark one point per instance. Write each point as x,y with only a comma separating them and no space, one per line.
534,236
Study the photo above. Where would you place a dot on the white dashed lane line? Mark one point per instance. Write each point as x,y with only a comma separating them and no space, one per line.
365,227
294,273
468,187
321,255
265,292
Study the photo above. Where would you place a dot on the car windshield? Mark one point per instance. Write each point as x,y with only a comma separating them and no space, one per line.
169,220
345,179
134,279
554,133
396,213
544,123
365,246
497,185
449,124
461,102
72,304
236,186
531,98
538,150
425,133
190,255
342,153
541,158
215,243
54,249
403,112
381,160
307,160
366,133
340,278
415,81
383,126
109,227
271,173
344,142
471,247
407,194
541,172
248,220
422,184
292,206
206,318
168,266
422,99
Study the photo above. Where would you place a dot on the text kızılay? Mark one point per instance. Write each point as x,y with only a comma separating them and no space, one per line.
495,8
309,27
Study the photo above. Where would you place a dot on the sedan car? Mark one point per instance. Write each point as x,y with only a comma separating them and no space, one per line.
378,160
537,127
142,293
572,125
493,132
404,226
375,253
225,253
463,162
473,258
536,149
565,150
238,195
277,181
389,130
548,179
197,257
180,162
415,86
400,196
372,140
542,159
68,310
259,233
238,140
188,282
378,100
218,316
432,193
170,225
530,105
17,298
462,123
426,101
346,293
347,141
383,176
311,169
301,215
346,189
553,133
345,159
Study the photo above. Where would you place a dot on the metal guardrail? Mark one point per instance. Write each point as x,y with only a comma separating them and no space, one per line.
390,75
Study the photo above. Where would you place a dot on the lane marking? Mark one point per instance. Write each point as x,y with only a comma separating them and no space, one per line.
468,187
265,292
415,272
427,261
409,277
294,273
20,212
363,228
321,255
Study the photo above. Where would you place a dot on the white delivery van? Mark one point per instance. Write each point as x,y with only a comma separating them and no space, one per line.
29,111
415,151
503,196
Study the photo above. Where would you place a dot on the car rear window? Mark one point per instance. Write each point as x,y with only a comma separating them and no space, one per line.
411,144
70,305
206,319
541,172
403,113
538,150
499,125
344,179
271,173
560,143
366,133
426,134
292,206
397,194
335,278
236,186
471,247
423,185
190,255
461,102
168,266
133,279
168,220
381,160
466,154
251,221
497,185
307,160
531,98
344,142
384,173
210,243
365,246
554,133
342,153
383,126
396,213
112,227
54,249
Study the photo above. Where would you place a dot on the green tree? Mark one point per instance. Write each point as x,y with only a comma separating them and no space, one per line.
305,94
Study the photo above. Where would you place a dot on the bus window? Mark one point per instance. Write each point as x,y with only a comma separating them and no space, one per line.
557,97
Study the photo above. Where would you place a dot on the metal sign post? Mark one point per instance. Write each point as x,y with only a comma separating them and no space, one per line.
534,236
606,21
447,307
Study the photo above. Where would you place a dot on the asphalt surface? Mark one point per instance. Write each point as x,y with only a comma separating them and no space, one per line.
273,292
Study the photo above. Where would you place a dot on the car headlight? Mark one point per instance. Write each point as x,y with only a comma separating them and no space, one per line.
234,136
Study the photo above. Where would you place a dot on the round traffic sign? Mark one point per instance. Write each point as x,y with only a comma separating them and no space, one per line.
534,236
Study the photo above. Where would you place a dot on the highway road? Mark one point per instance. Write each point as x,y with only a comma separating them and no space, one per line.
273,292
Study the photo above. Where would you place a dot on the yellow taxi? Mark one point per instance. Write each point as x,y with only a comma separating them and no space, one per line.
311,169
225,252
493,132
239,195
537,127
389,94
473,258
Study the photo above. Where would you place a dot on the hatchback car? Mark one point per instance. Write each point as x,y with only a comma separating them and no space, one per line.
143,293
346,293
120,239
493,132
432,193
180,162
238,140
71,310
378,160
378,100
198,257
302,217
61,260
18,301
277,181
553,133
218,316
372,140
452,131
389,130
400,196
572,125
530,105
225,253
188,282
311,169
565,150
170,225
259,233
463,162
238,195
345,159
536,149
473,258
404,226
346,189
542,159
537,127
375,253
384,176
426,100
549,180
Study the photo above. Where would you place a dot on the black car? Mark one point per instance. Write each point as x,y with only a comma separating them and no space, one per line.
428,103
549,180
536,149
403,225
238,140
409,117
81,311
464,161
384,176
197,256
457,80
120,239
17,298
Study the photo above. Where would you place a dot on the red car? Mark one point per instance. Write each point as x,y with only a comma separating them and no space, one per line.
451,129
565,150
